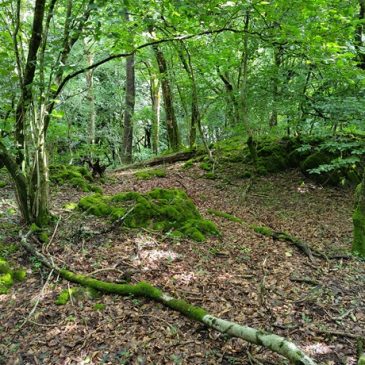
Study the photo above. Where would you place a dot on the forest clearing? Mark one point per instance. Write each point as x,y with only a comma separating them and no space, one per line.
182,182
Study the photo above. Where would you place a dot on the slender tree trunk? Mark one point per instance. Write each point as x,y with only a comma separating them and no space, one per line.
90,95
359,36
195,112
233,104
156,106
171,123
130,96
273,120
28,77
244,78
358,217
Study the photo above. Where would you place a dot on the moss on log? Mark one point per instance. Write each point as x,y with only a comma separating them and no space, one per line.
143,289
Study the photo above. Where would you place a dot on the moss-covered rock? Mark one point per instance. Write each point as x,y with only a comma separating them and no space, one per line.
150,174
76,176
4,266
8,276
272,156
165,210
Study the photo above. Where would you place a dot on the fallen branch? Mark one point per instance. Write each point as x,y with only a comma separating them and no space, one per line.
283,236
301,245
273,342
304,280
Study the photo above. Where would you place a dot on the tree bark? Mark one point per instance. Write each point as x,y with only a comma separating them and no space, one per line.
156,111
359,43
28,77
171,123
358,218
90,95
244,78
130,97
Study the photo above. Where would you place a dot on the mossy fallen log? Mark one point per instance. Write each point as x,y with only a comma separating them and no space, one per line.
162,160
271,341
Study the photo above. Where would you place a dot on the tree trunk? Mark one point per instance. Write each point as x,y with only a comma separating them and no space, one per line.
171,124
28,77
243,83
233,105
358,218
90,95
359,36
130,97
273,120
195,112
156,107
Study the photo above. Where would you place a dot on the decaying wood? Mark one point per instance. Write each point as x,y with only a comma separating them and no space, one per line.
168,159
271,341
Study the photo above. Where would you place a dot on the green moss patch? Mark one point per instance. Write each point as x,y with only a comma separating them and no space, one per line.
77,294
150,174
188,164
3,184
7,250
76,176
230,217
166,210
8,276
206,166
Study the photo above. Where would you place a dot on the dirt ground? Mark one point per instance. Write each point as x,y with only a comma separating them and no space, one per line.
242,276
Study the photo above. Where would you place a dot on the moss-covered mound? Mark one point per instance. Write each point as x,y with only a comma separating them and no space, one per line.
8,276
150,174
166,210
76,176
331,160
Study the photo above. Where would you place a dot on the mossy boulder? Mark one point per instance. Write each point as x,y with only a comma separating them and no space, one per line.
272,156
150,174
76,176
8,276
165,210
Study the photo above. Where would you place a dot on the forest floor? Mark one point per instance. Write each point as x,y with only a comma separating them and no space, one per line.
242,276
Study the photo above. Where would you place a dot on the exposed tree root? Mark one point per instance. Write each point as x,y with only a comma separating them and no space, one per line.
143,289
176,157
